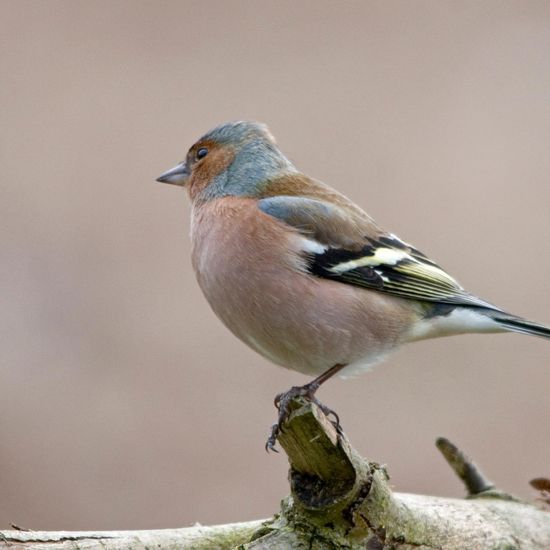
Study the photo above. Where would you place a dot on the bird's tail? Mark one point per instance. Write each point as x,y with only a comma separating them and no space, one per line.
517,324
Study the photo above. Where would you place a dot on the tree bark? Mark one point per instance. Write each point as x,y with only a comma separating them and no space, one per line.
197,537
340,500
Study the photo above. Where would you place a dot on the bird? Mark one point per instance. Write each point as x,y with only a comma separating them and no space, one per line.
303,275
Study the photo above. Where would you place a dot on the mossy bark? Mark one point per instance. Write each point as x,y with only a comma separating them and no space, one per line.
340,500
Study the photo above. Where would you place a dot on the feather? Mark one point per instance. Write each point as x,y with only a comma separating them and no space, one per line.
355,251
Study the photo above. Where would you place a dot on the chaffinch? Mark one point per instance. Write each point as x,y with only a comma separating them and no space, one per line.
302,275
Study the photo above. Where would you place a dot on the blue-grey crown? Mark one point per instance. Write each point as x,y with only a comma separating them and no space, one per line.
238,132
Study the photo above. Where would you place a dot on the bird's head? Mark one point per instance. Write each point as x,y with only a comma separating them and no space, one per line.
233,159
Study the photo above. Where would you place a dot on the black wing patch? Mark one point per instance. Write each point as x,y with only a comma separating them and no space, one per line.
323,264
390,265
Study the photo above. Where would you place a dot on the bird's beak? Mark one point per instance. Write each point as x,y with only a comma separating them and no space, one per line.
176,176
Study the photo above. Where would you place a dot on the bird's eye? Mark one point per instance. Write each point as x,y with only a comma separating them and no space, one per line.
201,153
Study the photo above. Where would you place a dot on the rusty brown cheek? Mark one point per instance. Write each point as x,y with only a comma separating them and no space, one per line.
215,163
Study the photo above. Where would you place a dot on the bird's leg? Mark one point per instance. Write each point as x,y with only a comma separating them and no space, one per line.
283,400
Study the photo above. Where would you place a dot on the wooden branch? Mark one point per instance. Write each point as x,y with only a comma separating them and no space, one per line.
198,537
340,500
464,468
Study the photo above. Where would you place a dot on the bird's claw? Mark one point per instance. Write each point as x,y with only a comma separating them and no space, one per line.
272,439
282,403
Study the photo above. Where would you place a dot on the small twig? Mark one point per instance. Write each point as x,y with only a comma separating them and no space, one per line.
472,477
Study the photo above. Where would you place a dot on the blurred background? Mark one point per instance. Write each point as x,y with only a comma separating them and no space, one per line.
124,403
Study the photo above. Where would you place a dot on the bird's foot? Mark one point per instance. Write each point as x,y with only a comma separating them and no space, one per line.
283,403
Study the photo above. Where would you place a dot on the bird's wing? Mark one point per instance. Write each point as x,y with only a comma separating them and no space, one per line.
370,259
324,221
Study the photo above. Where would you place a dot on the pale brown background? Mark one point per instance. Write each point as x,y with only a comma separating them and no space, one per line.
124,402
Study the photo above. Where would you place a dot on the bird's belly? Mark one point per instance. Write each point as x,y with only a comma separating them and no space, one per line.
301,322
